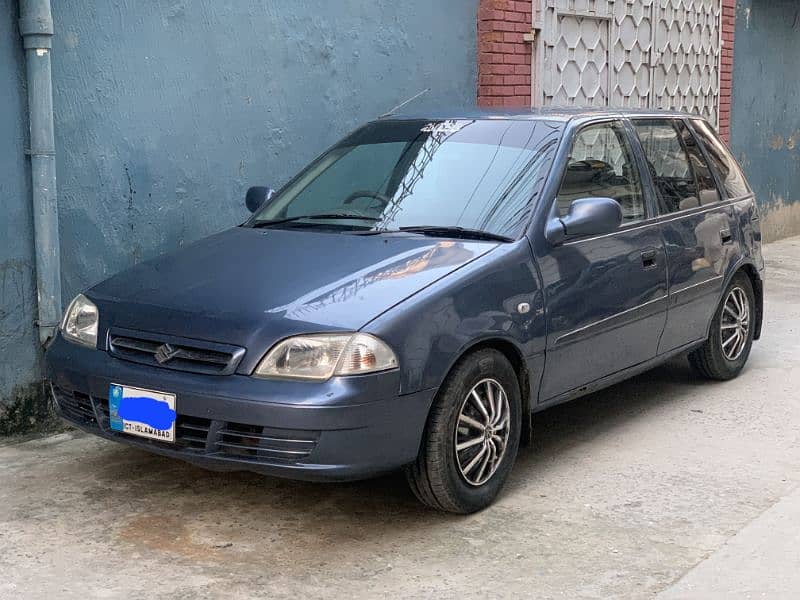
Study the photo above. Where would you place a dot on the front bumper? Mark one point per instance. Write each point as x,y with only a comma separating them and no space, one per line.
342,429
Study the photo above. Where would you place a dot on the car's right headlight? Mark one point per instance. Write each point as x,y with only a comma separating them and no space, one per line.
318,357
79,324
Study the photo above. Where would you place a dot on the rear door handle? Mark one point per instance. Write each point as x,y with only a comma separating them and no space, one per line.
649,258
725,236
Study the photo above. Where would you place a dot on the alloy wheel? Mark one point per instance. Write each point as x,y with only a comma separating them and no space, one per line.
735,323
482,431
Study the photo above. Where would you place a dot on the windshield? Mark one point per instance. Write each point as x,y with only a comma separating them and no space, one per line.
474,174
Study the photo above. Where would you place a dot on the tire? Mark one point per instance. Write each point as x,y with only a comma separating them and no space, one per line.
444,478
715,359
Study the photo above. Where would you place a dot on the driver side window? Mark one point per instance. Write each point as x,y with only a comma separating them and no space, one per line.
601,164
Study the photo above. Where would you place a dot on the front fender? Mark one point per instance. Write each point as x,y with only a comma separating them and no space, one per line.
478,303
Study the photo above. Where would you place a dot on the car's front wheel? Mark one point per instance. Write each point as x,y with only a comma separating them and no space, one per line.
731,334
471,437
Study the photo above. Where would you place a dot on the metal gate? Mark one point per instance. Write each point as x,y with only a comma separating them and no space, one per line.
631,53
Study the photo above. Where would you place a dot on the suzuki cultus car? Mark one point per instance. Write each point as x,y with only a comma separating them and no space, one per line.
417,292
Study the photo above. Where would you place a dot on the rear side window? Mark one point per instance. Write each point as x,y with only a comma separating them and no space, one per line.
680,173
601,165
731,175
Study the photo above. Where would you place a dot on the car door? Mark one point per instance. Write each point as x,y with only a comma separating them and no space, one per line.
605,295
695,223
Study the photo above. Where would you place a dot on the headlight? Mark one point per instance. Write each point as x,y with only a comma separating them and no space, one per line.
79,324
319,357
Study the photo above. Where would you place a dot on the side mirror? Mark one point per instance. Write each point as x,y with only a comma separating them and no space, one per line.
587,216
257,196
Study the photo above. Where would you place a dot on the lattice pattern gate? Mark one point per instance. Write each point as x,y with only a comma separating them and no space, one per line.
632,53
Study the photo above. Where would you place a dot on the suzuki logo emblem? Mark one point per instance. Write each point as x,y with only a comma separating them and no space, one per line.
166,353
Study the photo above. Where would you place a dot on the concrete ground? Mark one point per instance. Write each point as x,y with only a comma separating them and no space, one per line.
663,485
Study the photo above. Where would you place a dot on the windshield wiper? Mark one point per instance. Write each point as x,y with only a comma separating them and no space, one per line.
269,222
458,232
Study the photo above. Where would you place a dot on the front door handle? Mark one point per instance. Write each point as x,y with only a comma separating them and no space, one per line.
725,236
649,258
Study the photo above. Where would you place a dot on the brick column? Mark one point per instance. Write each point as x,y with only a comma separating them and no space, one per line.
504,58
726,67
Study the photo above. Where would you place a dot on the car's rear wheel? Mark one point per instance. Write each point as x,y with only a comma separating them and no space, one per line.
730,337
471,437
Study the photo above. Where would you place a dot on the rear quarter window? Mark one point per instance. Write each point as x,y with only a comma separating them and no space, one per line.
680,173
722,161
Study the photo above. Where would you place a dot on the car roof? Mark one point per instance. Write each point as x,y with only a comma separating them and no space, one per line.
556,113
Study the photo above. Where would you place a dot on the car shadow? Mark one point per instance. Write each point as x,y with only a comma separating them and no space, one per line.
203,511
610,407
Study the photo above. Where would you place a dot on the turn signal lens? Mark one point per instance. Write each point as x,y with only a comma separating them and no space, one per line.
365,354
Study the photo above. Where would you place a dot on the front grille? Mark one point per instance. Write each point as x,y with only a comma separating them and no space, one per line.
191,433
180,355
75,406
201,436
255,442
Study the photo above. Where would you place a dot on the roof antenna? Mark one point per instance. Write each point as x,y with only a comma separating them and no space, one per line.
402,104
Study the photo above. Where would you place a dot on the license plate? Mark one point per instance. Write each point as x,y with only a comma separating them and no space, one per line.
141,412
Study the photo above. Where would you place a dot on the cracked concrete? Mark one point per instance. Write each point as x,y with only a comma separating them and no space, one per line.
624,493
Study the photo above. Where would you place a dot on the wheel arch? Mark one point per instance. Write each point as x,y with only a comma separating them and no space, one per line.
515,357
750,270
758,292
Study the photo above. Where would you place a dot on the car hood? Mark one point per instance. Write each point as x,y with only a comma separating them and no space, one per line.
251,287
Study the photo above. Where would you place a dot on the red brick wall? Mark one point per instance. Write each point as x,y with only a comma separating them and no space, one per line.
726,67
504,58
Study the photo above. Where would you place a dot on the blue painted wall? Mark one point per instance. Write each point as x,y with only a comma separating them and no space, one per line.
19,356
765,116
166,111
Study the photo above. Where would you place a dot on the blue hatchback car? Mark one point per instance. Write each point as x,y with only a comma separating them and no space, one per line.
417,292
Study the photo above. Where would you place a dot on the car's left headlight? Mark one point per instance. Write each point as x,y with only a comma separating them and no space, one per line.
320,356
79,324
